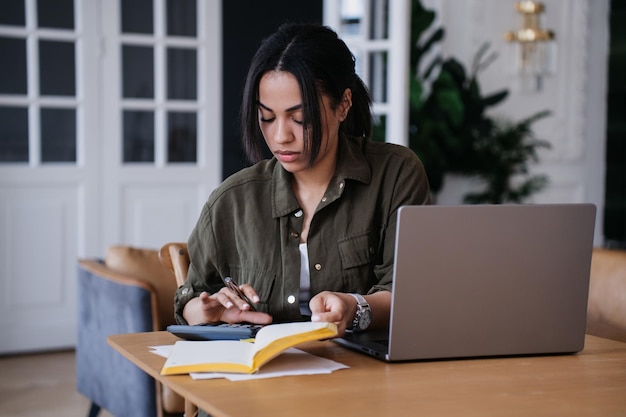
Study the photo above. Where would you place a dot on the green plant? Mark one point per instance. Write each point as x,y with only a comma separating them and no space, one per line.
501,161
450,129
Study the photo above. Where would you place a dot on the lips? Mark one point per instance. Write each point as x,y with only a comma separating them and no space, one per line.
286,156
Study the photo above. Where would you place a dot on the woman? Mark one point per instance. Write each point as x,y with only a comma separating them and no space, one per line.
309,233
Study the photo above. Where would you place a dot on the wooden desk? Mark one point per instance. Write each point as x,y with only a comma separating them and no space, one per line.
590,383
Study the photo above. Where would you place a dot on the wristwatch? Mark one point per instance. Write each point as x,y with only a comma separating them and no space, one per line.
363,315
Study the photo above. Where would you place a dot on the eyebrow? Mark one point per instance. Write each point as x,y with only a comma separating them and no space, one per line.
290,109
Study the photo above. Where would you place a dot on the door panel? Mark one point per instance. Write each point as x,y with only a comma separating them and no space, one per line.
145,207
163,119
94,153
38,243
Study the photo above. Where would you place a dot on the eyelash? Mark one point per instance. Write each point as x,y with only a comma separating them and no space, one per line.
263,120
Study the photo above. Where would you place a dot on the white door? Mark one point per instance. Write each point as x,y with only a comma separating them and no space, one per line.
162,139
86,159
377,32
48,170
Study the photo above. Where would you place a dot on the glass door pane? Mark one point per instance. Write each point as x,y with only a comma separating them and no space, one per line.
137,71
182,78
58,135
182,136
58,14
57,68
13,134
182,18
13,13
13,77
138,136
137,16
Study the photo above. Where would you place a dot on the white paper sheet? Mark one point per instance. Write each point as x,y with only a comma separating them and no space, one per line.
291,362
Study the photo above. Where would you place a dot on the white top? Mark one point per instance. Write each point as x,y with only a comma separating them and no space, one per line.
305,280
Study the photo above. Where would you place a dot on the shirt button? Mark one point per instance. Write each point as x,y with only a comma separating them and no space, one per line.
295,235
341,185
185,291
318,266
298,213
324,199
291,299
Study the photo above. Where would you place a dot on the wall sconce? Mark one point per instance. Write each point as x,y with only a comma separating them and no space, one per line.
534,54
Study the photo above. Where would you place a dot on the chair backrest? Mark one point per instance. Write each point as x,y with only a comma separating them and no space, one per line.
606,309
175,257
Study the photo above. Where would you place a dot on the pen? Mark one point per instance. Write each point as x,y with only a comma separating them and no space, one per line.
230,283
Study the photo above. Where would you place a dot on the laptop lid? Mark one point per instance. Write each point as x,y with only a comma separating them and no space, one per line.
489,280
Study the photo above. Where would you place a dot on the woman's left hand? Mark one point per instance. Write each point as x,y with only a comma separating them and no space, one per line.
340,308
334,307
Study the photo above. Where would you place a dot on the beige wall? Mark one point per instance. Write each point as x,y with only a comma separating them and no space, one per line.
575,92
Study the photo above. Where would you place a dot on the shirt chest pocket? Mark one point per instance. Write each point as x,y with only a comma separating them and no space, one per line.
359,255
358,250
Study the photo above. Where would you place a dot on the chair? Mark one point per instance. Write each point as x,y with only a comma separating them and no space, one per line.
606,310
174,256
127,292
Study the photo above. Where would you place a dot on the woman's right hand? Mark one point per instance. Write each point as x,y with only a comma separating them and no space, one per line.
223,306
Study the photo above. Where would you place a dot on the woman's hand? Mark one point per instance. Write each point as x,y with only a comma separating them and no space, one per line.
340,308
333,307
224,306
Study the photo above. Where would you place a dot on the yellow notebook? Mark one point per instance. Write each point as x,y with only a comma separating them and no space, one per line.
240,356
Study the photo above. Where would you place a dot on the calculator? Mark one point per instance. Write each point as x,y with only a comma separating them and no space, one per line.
215,331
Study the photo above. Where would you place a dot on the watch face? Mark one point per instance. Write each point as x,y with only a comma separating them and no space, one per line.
365,320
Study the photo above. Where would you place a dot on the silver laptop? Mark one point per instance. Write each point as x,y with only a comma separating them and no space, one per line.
486,280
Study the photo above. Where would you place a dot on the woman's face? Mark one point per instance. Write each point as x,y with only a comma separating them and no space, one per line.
280,120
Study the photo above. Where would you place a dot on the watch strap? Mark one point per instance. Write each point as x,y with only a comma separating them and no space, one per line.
362,308
360,300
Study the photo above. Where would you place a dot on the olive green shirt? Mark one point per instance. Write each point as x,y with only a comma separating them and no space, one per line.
249,229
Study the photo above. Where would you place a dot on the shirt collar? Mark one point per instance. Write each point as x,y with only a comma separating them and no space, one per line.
352,165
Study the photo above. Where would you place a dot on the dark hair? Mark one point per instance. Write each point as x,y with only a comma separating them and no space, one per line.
322,64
